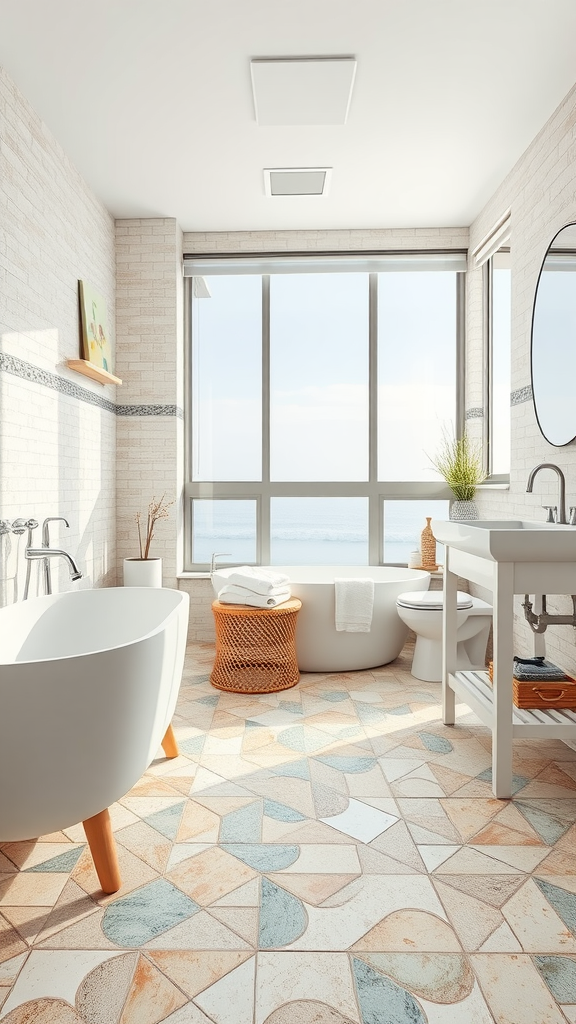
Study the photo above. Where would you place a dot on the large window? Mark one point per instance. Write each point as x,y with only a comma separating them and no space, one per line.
317,393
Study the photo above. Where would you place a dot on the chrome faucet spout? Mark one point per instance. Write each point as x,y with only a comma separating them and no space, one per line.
561,487
32,553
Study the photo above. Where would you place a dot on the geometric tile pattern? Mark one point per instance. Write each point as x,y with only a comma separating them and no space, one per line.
331,854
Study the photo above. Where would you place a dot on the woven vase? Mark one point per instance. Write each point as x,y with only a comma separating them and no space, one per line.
460,511
428,546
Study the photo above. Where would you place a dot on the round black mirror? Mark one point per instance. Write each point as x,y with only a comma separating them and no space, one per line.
553,345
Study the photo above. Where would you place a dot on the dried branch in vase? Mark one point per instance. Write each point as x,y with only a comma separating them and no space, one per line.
156,510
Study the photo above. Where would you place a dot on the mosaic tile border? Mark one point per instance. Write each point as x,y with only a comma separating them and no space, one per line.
477,413
521,395
27,371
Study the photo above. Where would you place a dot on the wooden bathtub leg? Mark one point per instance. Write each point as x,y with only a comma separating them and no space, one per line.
169,743
98,831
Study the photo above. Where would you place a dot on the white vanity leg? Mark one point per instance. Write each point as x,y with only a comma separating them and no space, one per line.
449,642
503,654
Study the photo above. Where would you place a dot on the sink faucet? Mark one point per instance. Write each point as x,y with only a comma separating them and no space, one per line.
46,553
215,555
561,487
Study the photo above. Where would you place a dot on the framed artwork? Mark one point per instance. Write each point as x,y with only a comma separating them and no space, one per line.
96,341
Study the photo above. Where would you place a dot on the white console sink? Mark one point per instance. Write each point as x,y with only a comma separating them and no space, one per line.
509,540
507,557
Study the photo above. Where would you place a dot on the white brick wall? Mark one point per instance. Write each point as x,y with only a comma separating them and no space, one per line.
541,193
325,241
56,452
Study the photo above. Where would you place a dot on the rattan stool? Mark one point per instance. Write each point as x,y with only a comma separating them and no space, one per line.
255,647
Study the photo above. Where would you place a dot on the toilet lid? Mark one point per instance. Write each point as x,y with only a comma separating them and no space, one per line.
431,600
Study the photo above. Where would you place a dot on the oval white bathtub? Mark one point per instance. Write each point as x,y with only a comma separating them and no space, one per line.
320,648
88,686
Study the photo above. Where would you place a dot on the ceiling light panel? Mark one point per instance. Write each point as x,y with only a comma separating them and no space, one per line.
297,181
302,91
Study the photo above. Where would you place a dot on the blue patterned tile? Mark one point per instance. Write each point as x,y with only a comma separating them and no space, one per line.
264,856
167,820
548,826
518,781
294,770
335,696
559,973
351,765
137,918
193,745
292,706
369,714
402,709
283,917
62,863
280,812
564,902
243,825
381,1000
435,743
210,700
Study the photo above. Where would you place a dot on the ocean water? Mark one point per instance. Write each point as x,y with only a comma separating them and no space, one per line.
310,531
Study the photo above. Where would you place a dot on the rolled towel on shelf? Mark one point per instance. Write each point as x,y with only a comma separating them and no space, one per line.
240,595
260,581
354,601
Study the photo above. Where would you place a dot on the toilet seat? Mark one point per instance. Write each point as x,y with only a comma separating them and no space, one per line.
432,600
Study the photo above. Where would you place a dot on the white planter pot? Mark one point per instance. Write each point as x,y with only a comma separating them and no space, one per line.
142,572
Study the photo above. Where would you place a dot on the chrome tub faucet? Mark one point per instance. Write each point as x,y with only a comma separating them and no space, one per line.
45,553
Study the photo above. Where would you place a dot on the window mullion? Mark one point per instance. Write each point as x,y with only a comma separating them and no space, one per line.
263,536
375,538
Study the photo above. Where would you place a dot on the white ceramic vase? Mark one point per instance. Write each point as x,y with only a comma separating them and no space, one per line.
460,511
142,572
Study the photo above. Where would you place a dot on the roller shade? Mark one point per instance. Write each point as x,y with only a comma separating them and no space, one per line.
363,263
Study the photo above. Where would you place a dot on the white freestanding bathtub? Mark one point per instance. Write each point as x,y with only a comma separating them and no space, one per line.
320,648
88,686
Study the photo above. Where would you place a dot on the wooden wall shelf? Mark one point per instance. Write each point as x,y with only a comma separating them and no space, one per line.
94,372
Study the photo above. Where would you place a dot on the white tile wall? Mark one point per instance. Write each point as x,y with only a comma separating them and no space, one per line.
541,193
56,452
149,331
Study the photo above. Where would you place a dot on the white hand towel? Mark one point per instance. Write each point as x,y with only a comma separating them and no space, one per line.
239,595
260,581
354,604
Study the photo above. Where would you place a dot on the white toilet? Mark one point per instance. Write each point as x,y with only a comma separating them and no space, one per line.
422,612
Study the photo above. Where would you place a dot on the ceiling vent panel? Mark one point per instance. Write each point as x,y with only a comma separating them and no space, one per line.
301,91
297,181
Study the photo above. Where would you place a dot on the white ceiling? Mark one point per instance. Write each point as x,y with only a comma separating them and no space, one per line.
152,100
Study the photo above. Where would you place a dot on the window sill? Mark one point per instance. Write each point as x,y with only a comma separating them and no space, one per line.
493,487
193,576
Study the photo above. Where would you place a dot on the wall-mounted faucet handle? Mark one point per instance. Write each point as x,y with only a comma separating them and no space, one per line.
572,520
552,511
19,527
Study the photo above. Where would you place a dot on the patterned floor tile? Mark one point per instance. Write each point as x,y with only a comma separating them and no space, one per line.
361,821
341,833
509,1002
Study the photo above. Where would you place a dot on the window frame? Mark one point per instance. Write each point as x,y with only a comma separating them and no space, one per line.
488,369
376,491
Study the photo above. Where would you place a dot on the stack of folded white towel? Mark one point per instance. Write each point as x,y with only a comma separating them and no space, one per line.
259,588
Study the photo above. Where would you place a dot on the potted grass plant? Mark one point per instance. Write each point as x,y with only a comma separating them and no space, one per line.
459,460
145,570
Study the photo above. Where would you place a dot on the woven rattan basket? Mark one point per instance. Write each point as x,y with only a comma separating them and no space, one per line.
255,647
543,694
